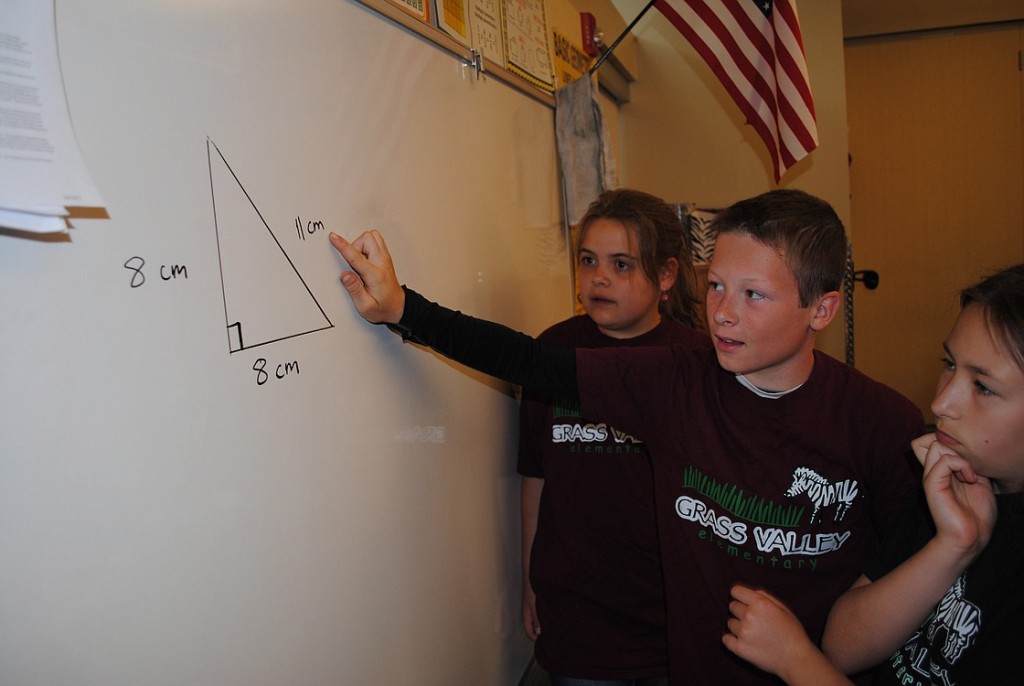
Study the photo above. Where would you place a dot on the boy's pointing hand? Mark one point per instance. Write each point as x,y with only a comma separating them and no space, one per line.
373,284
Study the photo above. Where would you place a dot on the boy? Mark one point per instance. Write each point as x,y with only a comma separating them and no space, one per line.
775,466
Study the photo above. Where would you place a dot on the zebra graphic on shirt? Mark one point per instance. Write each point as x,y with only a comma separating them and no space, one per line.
959,618
823,493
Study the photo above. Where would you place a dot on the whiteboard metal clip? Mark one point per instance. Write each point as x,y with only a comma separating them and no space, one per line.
476,61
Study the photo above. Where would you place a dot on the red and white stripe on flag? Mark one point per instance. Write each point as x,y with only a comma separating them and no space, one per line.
755,49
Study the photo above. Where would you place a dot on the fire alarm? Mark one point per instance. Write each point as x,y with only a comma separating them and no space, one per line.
588,26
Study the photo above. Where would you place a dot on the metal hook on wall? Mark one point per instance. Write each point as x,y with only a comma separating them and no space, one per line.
475,61
868,277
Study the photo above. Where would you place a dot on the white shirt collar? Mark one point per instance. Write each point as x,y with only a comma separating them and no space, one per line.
773,395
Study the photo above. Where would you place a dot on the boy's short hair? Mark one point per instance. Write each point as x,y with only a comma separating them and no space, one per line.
1001,296
804,229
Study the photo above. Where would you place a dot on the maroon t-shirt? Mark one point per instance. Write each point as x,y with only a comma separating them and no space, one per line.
595,564
787,495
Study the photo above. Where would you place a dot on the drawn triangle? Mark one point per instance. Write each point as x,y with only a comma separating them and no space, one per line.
265,298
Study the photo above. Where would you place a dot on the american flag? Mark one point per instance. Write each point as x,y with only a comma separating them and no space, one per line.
755,49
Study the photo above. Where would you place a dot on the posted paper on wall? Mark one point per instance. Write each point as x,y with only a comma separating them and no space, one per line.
42,168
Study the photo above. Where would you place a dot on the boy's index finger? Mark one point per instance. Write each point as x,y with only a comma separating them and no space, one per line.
337,241
349,251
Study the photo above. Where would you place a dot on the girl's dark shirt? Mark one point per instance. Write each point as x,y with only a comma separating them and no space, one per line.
976,633
595,564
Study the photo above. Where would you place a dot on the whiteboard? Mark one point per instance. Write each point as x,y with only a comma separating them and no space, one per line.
211,472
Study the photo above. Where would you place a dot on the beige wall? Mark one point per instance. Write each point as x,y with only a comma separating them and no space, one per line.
875,17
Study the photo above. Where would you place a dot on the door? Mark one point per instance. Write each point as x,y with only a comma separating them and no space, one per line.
937,193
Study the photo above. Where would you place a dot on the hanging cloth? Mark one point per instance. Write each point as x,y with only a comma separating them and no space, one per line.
584,147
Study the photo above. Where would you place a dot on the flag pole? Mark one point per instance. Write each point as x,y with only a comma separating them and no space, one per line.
604,55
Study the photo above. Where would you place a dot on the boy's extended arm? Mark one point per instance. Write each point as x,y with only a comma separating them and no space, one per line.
873,619
486,346
764,632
